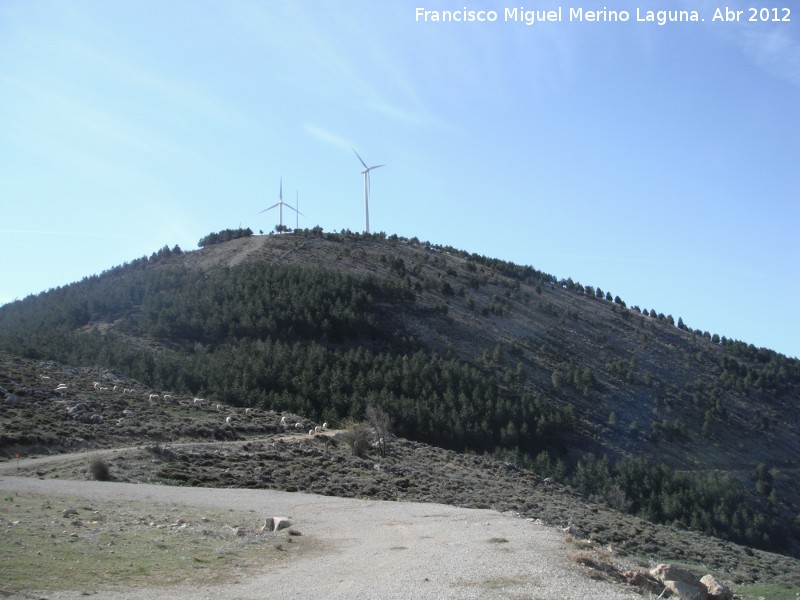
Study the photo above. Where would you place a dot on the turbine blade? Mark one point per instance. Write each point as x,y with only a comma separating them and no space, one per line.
376,167
359,158
270,208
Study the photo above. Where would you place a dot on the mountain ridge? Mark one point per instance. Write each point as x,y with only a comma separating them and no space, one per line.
558,367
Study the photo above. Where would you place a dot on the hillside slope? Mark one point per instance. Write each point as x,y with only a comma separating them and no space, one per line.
176,442
460,350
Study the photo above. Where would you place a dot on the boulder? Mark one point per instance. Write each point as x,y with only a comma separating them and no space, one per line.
680,582
716,590
686,590
275,524
642,581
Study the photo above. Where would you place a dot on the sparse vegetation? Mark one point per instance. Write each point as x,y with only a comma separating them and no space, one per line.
224,236
346,321
112,545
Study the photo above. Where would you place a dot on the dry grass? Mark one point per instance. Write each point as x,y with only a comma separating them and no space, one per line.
113,545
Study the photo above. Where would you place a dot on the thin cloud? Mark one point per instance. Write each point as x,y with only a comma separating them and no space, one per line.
775,51
770,46
394,112
327,136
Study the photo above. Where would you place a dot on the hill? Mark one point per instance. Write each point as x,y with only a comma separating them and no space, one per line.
128,435
633,408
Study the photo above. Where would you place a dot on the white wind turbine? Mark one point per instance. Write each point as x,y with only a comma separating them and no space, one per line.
297,209
280,204
366,184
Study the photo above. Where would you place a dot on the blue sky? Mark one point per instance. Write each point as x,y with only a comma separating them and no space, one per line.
659,162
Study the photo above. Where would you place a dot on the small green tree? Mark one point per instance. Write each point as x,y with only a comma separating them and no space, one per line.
358,437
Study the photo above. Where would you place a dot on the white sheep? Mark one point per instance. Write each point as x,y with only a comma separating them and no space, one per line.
167,397
229,420
298,425
283,421
152,397
325,426
61,387
317,429
199,400
310,432
248,411
219,407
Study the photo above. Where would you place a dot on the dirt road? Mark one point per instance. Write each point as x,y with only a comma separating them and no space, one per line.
363,548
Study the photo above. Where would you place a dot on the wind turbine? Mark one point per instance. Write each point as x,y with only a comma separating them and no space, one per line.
297,209
280,204
366,184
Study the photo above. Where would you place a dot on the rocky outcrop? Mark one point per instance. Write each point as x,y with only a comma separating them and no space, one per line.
716,590
685,586
680,582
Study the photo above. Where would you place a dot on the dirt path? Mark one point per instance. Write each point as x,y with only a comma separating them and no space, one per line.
362,548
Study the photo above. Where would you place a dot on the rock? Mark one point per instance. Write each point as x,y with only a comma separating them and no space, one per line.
644,582
716,590
680,582
74,411
686,590
275,524
69,511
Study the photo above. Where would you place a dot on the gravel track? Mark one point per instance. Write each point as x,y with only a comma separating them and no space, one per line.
366,548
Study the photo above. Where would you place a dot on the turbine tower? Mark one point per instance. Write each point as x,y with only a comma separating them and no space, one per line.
366,184
280,204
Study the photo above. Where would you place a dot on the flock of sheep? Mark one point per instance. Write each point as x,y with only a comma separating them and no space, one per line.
81,411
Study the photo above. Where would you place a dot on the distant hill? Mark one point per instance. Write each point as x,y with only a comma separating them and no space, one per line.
466,352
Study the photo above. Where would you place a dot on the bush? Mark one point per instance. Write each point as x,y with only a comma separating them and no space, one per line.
100,470
359,437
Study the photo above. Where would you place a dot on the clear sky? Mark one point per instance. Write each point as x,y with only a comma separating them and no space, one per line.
658,162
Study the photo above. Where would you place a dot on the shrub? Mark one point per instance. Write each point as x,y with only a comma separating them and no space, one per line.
100,470
359,437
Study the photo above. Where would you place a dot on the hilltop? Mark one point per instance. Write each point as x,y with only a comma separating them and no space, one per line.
462,352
